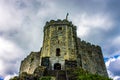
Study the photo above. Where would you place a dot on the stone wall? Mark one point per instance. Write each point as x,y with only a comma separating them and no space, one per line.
90,58
30,63
61,46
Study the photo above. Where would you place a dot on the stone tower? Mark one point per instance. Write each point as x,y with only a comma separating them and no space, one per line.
59,45
62,49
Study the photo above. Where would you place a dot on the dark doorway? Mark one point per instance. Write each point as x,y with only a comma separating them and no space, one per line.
57,66
58,52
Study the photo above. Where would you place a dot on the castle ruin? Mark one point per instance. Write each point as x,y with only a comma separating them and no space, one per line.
62,49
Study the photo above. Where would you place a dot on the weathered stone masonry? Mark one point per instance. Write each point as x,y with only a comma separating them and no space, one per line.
62,49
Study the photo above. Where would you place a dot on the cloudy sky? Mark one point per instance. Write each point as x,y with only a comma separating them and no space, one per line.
22,22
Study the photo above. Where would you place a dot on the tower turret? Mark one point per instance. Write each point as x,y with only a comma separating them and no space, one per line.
59,44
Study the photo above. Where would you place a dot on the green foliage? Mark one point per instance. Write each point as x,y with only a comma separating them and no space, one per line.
15,78
92,77
46,78
81,74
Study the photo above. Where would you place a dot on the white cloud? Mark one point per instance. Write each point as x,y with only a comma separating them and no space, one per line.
109,61
10,57
87,23
10,76
116,78
28,35
9,16
20,17
113,68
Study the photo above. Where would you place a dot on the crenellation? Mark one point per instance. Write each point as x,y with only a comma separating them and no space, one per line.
91,57
59,22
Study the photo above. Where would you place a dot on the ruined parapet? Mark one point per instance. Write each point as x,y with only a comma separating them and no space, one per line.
59,22
91,58
30,63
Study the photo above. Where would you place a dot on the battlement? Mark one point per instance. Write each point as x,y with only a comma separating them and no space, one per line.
90,57
86,46
59,22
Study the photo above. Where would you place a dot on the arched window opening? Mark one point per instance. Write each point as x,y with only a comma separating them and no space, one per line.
57,66
32,60
58,52
59,28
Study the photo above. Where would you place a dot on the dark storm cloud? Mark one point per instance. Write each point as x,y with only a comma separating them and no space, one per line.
31,4
113,7
89,6
96,35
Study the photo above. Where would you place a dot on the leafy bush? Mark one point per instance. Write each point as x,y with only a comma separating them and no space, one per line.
15,78
47,78
81,74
